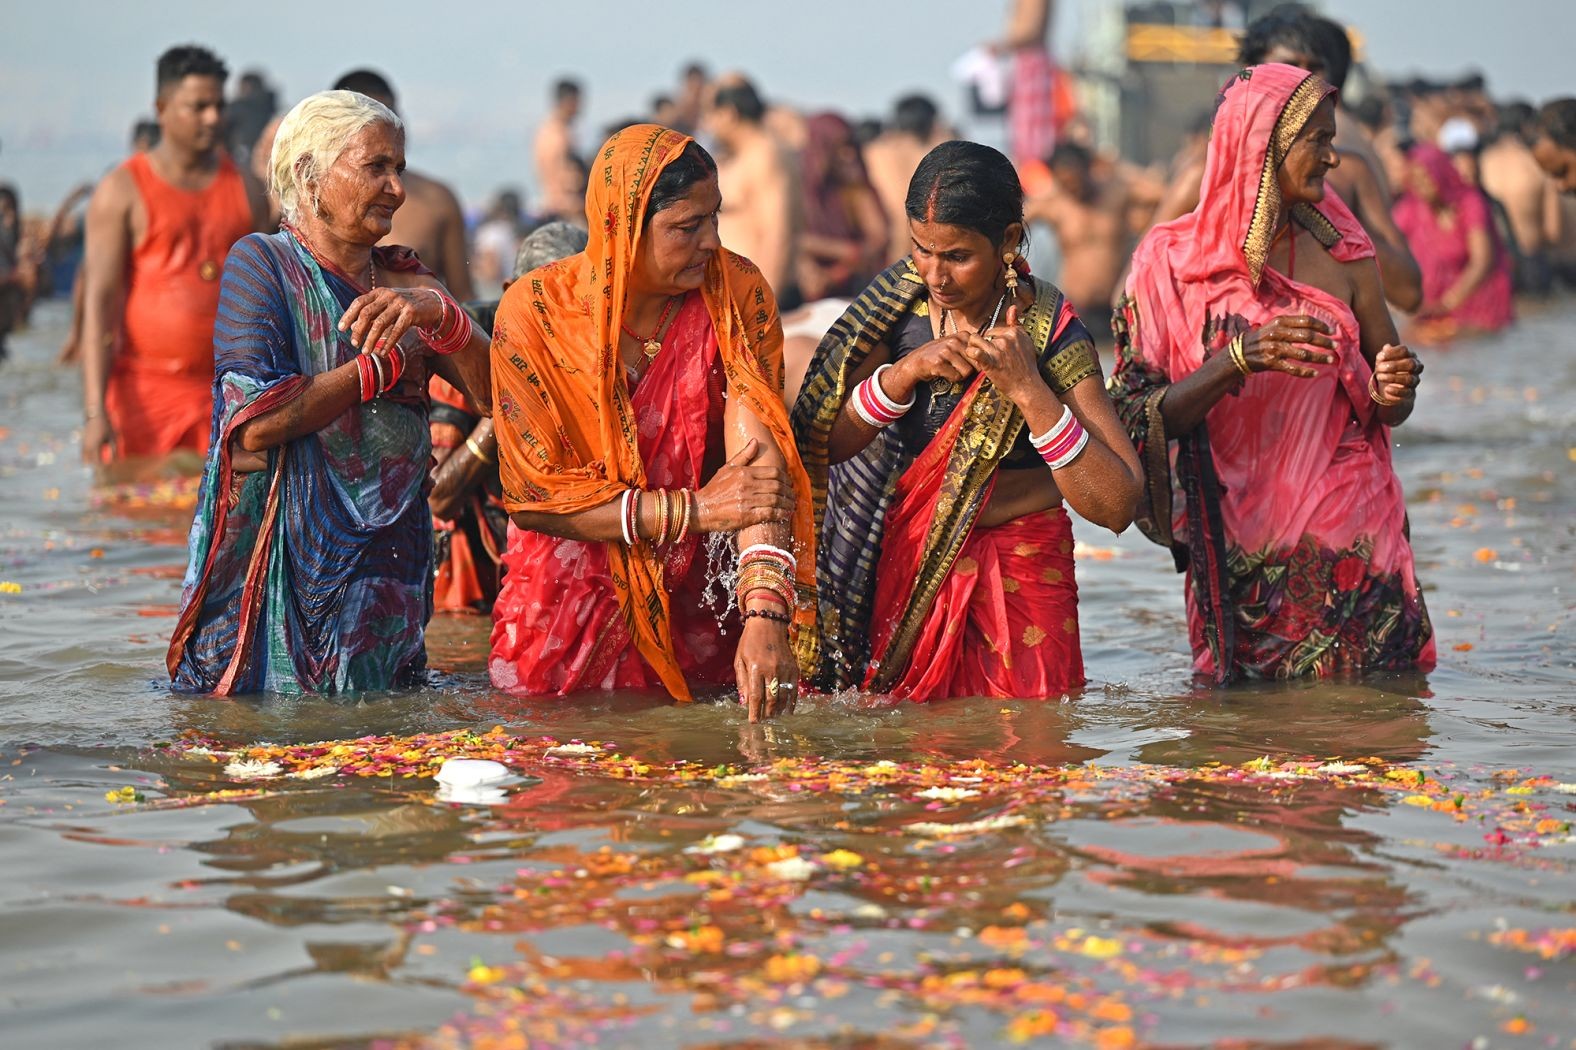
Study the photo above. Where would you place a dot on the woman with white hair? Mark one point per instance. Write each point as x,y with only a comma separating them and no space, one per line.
311,550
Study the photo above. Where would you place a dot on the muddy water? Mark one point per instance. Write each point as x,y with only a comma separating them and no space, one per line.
1147,863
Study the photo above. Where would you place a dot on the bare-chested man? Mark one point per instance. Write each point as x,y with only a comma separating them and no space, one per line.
1089,220
892,157
1510,174
1555,147
690,102
757,184
158,230
558,165
430,220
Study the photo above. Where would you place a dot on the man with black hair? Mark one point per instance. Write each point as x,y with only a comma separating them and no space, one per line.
158,230
1087,216
558,166
1555,148
893,155
757,219
1509,173
1293,35
430,221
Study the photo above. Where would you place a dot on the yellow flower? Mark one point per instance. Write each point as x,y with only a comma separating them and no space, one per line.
1100,947
125,794
9,587
842,860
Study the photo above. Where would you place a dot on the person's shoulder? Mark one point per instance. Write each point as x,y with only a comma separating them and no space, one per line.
116,190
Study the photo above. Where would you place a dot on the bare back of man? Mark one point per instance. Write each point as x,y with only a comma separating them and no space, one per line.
1511,175
891,159
1090,223
431,222
757,205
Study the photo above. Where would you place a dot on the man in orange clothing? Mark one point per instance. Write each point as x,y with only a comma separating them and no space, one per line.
158,230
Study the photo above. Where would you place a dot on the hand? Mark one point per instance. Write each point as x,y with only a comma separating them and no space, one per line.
1006,356
98,440
945,358
1285,341
767,673
381,317
1397,372
744,493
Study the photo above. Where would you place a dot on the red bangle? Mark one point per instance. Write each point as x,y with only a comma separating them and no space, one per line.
369,383
453,330
396,363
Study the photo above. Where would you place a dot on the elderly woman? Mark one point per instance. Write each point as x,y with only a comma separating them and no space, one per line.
1254,335
639,409
943,421
468,519
311,551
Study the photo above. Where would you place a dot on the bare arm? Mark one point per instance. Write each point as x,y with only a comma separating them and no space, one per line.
461,471
1403,281
325,397
1381,343
455,270
108,249
773,212
1553,214
1292,344
1480,263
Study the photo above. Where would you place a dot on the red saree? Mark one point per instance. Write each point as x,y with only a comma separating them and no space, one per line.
1002,622
557,625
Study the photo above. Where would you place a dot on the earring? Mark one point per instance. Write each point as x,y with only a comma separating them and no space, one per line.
1012,272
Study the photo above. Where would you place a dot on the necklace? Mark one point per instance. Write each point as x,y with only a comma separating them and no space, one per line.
1000,304
652,345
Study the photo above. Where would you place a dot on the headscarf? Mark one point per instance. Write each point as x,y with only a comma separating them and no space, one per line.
1450,188
1191,274
566,434
825,209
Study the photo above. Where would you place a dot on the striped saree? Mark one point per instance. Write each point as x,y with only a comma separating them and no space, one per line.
313,575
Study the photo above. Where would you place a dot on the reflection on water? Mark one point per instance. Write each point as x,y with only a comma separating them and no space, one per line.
1358,863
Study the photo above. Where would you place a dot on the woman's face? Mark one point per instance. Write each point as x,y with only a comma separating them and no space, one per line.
678,243
961,268
1311,157
358,196
1422,183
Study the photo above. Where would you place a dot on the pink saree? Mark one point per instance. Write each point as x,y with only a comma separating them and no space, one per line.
1291,527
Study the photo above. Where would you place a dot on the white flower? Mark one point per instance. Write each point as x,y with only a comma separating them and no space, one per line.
576,748
252,769
1567,789
947,794
936,829
313,773
207,752
1342,769
791,869
741,778
717,844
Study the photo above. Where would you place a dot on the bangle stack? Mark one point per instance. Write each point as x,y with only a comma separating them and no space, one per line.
1061,444
1378,398
767,571
476,450
453,330
873,406
675,512
379,375
1239,355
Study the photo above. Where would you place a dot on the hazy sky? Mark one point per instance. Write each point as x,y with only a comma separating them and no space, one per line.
473,76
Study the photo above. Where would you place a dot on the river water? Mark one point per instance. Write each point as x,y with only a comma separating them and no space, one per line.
1369,863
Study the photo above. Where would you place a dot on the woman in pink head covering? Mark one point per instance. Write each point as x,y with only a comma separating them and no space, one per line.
1254,335
1447,222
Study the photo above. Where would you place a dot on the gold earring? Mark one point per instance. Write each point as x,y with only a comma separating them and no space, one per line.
1012,272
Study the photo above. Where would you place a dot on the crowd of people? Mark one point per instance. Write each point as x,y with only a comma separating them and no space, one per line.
773,396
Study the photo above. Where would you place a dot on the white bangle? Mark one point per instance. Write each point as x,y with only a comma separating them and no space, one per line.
769,549
1043,441
623,517
872,404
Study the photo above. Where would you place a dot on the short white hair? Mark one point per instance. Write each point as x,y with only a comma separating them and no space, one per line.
313,135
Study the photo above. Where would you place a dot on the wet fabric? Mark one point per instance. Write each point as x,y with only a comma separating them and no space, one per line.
557,626
316,575
896,518
160,382
1438,236
1288,517
567,429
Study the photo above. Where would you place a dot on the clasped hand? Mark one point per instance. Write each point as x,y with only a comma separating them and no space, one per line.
381,317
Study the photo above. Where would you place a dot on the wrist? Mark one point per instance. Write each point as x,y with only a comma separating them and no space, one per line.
897,383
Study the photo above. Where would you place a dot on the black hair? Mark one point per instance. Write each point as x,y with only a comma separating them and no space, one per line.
8,192
1471,82
683,173
1285,26
1070,153
146,129
658,101
1518,118
1370,112
915,115
969,185
565,88
367,82
867,130
188,60
743,99
694,69
1334,49
1557,120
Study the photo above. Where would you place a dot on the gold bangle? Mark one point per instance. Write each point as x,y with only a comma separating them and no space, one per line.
476,450
1239,355
1373,392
